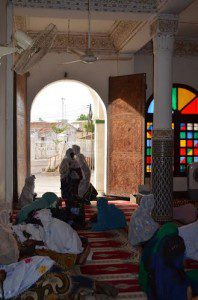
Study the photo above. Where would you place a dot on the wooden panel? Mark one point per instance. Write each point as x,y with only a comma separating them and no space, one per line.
21,131
125,133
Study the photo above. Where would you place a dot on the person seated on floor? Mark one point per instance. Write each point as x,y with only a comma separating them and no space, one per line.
161,274
142,228
108,217
47,200
28,278
70,175
27,195
86,190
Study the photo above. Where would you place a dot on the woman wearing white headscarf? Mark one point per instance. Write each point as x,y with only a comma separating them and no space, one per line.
16,277
70,174
142,226
55,234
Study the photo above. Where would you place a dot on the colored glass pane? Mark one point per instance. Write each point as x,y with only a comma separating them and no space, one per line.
192,108
189,143
189,135
182,143
195,151
195,126
189,126
148,151
196,159
148,143
148,169
196,143
182,168
183,126
182,151
149,134
182,135
184,97
196,135
148,160
173,125
174,98
189,151
189,160
182,160
151,107
149,126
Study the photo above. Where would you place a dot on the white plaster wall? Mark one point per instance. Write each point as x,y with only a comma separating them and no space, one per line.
95,75
184,71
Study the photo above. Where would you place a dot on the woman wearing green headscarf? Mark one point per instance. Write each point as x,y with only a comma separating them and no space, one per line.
48,200
162,275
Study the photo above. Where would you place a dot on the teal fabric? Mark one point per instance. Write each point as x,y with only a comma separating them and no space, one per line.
109,216
48,200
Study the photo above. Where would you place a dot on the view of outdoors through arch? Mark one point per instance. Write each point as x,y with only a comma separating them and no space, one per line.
61,115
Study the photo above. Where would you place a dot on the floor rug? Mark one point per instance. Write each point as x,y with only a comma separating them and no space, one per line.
114,260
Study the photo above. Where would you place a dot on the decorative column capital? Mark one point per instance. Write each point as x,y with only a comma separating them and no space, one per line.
163,30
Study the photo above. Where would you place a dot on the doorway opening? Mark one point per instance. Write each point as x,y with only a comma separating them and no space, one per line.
64,113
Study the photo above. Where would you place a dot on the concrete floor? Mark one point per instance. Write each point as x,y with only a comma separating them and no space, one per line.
49,182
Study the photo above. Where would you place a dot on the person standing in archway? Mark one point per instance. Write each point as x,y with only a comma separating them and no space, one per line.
71,175
86,191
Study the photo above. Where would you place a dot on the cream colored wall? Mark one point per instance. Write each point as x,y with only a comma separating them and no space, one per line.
95,75
184,71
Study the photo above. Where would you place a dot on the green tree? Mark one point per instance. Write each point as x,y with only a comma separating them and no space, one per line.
89,127
82,117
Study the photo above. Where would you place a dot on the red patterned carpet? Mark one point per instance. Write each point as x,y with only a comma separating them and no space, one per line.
114,260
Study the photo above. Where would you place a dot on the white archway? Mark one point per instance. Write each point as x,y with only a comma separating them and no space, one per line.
100,121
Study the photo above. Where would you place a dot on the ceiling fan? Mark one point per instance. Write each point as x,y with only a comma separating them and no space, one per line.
88,56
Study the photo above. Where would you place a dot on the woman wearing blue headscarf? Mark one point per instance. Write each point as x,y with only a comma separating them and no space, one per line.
109,216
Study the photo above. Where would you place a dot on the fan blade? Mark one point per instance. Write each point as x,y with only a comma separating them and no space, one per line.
71,62
78,53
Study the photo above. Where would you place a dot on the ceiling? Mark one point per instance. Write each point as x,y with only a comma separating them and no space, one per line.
121,30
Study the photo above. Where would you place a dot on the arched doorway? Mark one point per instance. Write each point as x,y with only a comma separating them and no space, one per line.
63,113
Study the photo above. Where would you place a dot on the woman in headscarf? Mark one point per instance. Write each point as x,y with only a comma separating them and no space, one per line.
85,188
162,275
38,277
142,227
47,200
71,175
108,217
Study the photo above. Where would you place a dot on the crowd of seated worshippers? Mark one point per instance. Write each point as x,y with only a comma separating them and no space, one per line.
165,247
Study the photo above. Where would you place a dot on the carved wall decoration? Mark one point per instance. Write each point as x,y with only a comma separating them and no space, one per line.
20,23
181,47
122,32
99,42
102,5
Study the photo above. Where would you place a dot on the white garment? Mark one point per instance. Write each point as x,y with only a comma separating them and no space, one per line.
35,231
22,275
189,233
58,235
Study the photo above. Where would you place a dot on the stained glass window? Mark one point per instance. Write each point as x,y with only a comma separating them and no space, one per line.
185,125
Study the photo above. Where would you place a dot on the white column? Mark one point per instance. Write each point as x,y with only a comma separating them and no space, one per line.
99,151
163,32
